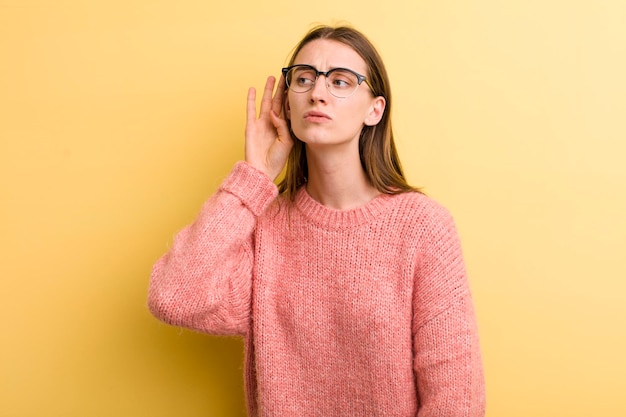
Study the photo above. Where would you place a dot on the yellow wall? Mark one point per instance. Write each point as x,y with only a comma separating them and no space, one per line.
118,118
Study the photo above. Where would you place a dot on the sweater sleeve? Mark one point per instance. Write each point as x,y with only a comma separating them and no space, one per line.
447,360
204,281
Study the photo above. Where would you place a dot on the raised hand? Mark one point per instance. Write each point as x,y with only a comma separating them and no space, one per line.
268,141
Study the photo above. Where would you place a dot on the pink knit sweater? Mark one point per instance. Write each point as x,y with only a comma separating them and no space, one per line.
365,312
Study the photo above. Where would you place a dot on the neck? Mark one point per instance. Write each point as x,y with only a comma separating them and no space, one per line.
338,181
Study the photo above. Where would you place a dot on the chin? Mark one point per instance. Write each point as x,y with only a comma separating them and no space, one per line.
317,135
309,137
317,140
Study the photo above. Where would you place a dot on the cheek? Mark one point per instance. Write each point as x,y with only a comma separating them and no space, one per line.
293,103
297,128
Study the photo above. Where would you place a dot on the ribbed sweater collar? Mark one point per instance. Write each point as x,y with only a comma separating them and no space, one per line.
329,218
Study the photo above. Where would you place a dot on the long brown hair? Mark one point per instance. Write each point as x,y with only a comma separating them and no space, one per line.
377,149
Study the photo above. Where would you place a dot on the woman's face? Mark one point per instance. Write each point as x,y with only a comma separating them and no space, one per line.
319,118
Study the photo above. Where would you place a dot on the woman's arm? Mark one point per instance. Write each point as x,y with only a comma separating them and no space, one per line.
447,360
204,281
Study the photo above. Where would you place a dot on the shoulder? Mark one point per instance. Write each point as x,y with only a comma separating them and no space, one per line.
422,220
421,208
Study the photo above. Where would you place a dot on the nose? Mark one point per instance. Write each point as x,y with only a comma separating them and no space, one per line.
320,92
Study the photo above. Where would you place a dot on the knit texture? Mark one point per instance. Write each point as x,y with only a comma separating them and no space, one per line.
364,312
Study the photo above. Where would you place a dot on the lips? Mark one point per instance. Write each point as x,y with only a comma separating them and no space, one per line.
316,116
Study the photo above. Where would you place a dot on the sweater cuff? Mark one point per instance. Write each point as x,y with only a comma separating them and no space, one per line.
255,189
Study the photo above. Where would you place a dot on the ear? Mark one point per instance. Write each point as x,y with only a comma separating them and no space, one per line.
286,107
376,111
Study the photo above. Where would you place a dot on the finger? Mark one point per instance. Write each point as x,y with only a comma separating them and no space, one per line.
251,106
277,101
266,100
280,125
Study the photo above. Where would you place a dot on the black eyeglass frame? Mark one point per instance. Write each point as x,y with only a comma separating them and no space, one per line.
360,78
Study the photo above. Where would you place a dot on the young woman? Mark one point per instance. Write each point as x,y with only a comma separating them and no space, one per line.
347,284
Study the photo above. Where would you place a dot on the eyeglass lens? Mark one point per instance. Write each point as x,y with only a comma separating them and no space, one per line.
340,82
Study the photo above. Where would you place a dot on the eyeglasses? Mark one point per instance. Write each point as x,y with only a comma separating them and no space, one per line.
341,82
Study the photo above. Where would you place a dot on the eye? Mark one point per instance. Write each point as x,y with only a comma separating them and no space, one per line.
303,77
304,81
340,83
342,79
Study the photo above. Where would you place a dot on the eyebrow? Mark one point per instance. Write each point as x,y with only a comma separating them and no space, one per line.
329,69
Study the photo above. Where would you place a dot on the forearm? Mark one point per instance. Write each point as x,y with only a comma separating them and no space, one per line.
203,282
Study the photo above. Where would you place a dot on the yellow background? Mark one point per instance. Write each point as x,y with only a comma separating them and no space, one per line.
119,118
